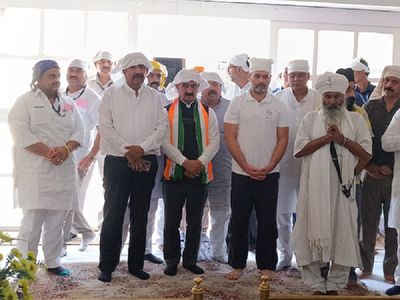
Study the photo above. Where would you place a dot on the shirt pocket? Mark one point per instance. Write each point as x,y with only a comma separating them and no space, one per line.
39,116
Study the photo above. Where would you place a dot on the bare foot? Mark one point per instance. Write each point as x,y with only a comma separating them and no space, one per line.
269,273
234,275
364,275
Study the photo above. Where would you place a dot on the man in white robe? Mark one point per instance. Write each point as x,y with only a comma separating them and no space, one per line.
326,225
391,143
46,128
299,100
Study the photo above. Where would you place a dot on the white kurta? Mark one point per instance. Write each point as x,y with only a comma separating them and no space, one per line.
343,246
88,102
233,90
39,183
290,167
391,143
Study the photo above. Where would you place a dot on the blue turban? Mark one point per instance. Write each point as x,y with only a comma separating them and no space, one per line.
40,67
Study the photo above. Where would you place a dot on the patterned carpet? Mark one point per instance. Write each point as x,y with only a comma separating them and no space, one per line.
83,284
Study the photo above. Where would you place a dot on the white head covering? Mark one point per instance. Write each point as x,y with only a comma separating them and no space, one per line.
357,65
133,59
102,55
387,71
298,65
185,75
78,63
240,60
331,82
261,64
213,76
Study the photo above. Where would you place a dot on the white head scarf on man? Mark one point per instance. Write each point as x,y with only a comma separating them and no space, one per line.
260,64
387,71
240,60
185,75
133,59
102,55
78,63
298,65
213,76
358,65
331,82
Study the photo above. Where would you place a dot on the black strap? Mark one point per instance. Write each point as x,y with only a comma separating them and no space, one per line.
345,190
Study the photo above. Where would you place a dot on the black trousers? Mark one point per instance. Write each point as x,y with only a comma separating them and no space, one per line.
177,194
121,183
247,193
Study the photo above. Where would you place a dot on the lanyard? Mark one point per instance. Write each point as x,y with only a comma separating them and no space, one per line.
80,94
57,107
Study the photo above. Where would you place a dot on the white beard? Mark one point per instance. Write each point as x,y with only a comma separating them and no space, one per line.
333,116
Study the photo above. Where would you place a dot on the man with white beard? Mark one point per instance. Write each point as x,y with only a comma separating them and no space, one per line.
327,211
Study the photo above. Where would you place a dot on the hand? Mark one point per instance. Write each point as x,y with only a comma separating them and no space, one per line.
193,167
384,170
85,163
189,174
57,155
134,152
373,171
136,164
334,132
254,173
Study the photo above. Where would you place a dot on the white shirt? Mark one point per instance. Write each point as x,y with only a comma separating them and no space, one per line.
88,102
126,119
391,143
233,90
39,183
258,123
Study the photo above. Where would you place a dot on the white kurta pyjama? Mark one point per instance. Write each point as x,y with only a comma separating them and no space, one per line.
343,246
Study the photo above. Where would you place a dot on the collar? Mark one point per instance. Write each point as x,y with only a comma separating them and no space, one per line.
130,90
186,104
266,99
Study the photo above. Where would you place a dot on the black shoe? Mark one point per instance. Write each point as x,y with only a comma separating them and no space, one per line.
171,270
152,258
140,274
104,276
194,269
394,290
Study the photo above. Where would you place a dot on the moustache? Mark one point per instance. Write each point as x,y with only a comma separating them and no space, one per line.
155,83
389,89
73,77
189,94
138,76
212,92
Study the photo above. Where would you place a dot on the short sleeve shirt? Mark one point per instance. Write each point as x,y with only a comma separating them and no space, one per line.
258,123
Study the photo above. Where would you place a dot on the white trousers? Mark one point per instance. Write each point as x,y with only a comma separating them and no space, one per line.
219,199
47,224
151,219
397,272
336,280
284,222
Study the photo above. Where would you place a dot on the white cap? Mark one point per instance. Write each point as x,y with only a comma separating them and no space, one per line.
387,71
78,63
331,82
133,59
357,65
240,60
186,75
102,55
213,76
298,65
261,64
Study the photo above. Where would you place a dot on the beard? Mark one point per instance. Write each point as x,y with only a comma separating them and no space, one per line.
260,89
333,115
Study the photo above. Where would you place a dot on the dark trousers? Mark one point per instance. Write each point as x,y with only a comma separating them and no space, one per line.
177,194
120,184
376,196
247,193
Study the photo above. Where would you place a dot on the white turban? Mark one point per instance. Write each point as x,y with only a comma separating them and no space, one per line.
261,64
78,63
357,65
185,75
240,60
102,55
298,65
212,76
133,59
331,82
387,71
